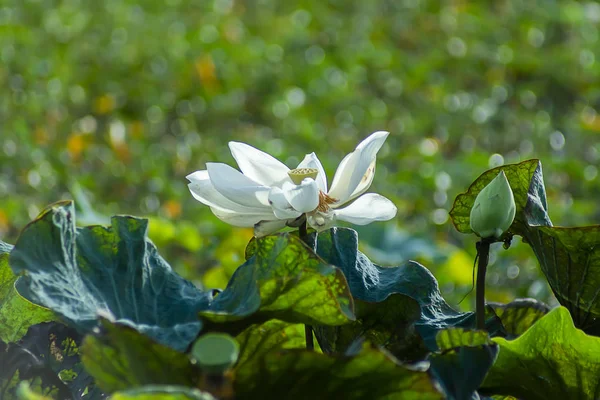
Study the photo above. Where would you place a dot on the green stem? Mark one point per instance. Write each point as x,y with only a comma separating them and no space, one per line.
308,330
483,252
308,333
303,231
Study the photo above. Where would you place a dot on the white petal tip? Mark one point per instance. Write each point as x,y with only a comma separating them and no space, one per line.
194,175
379,135
233,145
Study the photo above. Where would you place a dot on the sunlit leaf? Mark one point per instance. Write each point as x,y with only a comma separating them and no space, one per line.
452,338
519,315
16,313
261,339
551,360
284,280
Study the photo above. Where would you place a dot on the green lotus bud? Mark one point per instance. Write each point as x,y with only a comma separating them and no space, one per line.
494,208
215,352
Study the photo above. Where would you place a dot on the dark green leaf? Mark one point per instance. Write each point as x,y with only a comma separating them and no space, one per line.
464,362
16,313
261,343
374,284
284,279
389,323
162,392
570,260
121,358
519,315
301,374
551,360
80,272
48,358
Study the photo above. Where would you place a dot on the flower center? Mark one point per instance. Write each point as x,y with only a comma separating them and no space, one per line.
299,174
324,201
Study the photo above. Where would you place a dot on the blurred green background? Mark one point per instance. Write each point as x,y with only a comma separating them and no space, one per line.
113,103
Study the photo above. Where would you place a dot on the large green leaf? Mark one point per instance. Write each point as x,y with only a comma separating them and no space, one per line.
16,313
552,360
570,260
268,365
374,284
120,358
519,315
284,279
261,339
389,323
162,392
47,357
465,360
568,257
300,374
80,272
453,338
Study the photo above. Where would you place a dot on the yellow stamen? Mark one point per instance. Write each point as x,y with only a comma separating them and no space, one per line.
324,201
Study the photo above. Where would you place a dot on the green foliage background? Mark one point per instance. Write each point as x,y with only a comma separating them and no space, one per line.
115,102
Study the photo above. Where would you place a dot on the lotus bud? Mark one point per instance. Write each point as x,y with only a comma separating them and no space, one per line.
215,352
494,209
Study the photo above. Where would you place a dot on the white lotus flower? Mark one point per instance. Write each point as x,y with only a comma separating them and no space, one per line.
268,196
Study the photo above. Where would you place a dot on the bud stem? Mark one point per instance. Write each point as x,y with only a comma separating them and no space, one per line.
308,331
303,231
483,252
